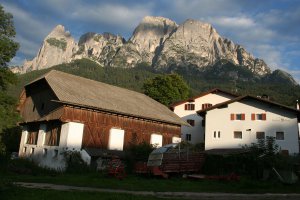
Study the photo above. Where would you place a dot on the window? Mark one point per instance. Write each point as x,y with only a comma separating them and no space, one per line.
217,134
53,134
188,137
239,116
261,116
32,134
191,122
156,140
279,135
206,105
189,106
116,139
260,135
238,134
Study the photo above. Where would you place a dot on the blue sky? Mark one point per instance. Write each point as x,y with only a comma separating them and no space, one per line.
269,29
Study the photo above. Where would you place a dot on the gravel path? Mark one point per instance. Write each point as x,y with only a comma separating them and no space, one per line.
177,195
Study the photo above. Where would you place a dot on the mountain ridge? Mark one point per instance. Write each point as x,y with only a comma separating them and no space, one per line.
156,41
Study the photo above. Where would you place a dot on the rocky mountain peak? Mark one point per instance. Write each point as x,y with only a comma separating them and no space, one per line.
59,32
150,34
158,41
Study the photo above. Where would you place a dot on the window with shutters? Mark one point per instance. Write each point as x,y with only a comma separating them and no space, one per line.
191,122
260,135
259,116
238,134
52,134
239,116
32,134
206,105
217,134
189,106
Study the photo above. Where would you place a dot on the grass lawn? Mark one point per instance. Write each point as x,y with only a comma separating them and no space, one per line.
133,182
17,193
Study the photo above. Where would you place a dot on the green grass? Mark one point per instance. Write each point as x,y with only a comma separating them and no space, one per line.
17,193
175,184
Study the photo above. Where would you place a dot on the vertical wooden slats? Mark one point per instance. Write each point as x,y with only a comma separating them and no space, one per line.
231,116
97,126
253,116
264,116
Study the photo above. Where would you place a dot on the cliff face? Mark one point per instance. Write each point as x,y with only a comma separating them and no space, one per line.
58,47
198,44
158,41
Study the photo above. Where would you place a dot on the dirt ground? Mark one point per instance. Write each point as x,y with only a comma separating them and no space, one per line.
173,195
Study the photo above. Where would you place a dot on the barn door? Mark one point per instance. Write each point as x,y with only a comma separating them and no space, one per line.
116,139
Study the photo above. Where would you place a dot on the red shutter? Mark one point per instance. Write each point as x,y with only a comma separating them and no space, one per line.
185,106
243,116
252,116
193,106
264,116
203,106
231,116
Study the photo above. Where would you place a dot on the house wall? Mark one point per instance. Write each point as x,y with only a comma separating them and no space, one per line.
197,131
52,156
98,125
219,120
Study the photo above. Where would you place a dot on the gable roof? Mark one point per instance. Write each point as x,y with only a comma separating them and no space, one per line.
75,90
240,98
215,90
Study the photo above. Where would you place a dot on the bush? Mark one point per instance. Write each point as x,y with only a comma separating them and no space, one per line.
137,153
75,163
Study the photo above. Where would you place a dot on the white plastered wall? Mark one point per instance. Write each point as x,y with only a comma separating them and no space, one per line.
197,131
53,156
277,120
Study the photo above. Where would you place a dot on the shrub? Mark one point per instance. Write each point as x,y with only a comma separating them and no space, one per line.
75,163
61,44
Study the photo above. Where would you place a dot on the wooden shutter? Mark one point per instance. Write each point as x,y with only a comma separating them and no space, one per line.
243,116
264,116
231,116
185,106
252,116
193,106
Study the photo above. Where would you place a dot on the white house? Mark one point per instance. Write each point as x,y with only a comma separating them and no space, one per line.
246,119
187,111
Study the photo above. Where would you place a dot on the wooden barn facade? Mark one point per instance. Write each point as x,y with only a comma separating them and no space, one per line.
63,112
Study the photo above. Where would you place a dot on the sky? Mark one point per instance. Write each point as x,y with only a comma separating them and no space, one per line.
269,29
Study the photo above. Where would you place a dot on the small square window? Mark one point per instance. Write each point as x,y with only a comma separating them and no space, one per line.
238,134
188,137
260,135
279,135
191,122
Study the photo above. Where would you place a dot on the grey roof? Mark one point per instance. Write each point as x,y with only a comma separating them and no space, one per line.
85,92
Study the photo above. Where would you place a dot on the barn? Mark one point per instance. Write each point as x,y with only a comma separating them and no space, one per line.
63,112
